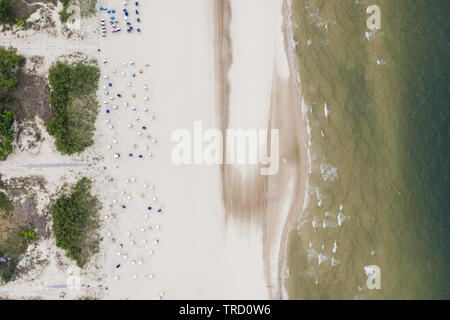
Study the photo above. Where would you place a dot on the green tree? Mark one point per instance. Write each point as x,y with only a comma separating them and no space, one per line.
9,60
6,132
76,222
5,11
74,105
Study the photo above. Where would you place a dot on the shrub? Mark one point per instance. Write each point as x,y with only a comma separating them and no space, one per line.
63,15
5,11
28,234
76,222
74,105
6,133
9,60
5,203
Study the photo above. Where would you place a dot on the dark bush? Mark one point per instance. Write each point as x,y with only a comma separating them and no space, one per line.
76,222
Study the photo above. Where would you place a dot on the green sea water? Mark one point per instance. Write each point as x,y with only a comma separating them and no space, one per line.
377,106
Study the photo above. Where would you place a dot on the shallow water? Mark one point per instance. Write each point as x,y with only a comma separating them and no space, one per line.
378,114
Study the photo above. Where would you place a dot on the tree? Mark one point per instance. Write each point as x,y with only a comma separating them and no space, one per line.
9,60
74,105
5,11
76,222
6,132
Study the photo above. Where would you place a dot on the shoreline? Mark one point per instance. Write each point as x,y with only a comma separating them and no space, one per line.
304,170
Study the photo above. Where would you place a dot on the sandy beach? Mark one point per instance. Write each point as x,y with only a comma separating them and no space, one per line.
213,231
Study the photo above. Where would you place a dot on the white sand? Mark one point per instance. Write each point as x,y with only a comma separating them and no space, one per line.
199,255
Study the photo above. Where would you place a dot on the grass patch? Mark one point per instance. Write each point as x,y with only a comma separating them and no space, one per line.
16,240
76,222
12,250
6,205
74,105
21,225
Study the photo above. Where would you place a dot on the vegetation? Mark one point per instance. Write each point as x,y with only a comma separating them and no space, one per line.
6,133
6,12
87,7
20,22
63,14
12,249
74,105
9,61
28,234
5,204
76,222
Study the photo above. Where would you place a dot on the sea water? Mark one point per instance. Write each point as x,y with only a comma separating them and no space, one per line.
377,107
